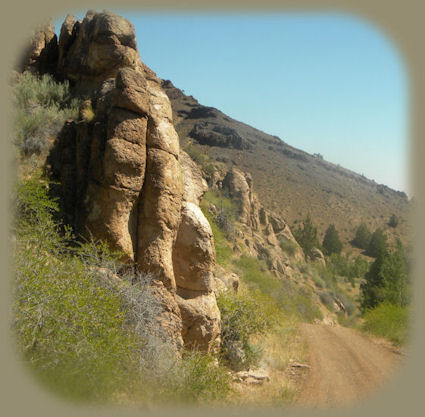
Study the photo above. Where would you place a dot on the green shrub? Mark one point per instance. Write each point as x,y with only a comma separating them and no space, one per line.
346,266
387,280
347,321
325,273
393,222
287,246
331,243
241,317
279,292
318,280
377,245
68,325
42,106
360,266
389,321
362,238
220,201
201,380
224,219
327,299
304,267
222,249
196,378
306,236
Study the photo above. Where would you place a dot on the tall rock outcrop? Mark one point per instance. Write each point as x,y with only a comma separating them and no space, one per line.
122,178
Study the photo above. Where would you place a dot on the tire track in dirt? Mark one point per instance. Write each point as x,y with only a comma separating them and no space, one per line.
345,366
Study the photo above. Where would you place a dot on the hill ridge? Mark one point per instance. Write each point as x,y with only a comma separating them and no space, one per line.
288,180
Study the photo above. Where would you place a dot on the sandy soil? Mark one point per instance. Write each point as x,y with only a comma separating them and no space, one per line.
345,366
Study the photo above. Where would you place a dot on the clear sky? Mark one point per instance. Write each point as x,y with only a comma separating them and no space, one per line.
325,82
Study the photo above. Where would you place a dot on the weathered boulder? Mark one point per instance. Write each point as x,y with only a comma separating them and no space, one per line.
201,320
159,215
317,256
194,253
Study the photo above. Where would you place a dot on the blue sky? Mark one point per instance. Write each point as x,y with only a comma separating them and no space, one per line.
323,82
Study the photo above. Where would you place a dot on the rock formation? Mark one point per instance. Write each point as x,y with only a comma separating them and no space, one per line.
42,53
239,187
122,179
264,230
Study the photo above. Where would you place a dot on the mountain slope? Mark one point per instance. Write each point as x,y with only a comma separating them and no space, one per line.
288,181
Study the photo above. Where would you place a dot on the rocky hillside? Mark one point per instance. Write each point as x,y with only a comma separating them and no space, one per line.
290,182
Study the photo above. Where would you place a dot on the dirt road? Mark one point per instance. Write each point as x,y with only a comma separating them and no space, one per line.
345,366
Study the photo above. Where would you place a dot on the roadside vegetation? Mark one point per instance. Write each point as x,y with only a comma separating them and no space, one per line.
382,300
385,294
260,322
389,321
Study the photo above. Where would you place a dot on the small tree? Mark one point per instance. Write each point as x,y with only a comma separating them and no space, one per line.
377,244
306,236
387,280
331,243
362,238
393,221
394,277
371,286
